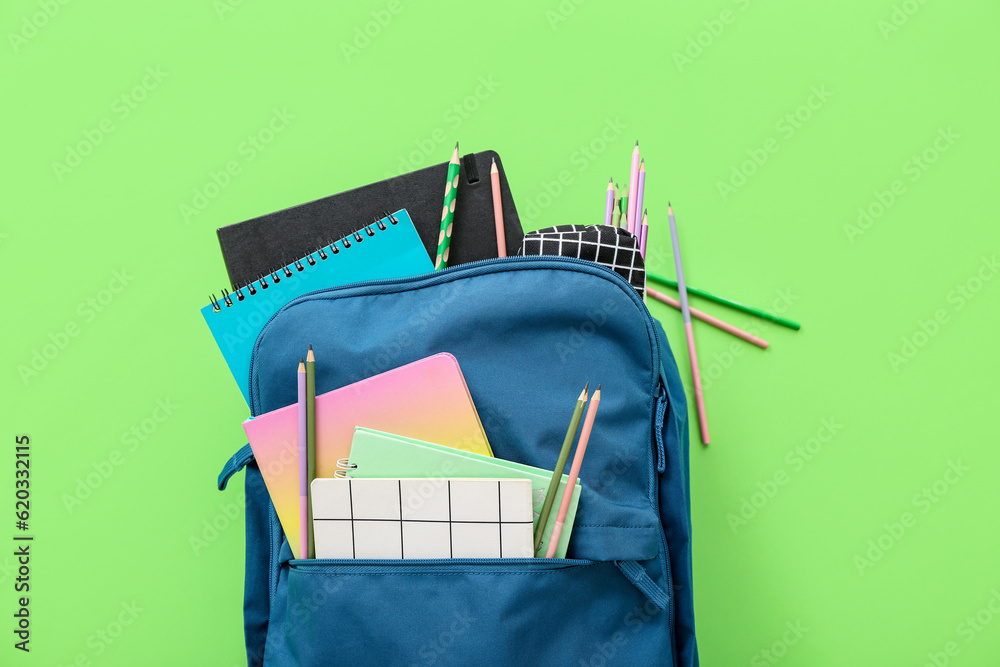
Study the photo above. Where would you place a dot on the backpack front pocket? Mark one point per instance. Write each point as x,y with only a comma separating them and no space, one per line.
536,611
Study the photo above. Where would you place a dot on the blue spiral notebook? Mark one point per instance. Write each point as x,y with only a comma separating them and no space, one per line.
389,248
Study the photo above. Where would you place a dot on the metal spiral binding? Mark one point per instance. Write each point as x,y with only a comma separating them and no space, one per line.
324,252
343,465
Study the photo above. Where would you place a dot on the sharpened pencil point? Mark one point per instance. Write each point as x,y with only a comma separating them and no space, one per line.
493,167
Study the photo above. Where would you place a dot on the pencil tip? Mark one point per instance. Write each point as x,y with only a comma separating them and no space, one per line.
598,390
310,346
636,143
456,145
493,160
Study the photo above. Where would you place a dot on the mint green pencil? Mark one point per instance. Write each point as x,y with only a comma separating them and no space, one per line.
763,314
550,494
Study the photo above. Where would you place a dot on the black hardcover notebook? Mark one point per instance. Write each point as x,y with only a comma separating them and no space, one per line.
261,245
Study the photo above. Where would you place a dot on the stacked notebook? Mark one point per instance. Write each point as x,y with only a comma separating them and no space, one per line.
389,248
380,455
258,246
402,465
414,422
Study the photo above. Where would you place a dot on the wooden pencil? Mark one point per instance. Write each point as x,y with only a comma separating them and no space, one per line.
609,203
498,210
310,440
639,195
688,330
574,473
632,186
705,317
557,473
303,465
448,212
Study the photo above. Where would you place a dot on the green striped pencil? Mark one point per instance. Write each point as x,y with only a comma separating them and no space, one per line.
550,494
310,439
763,314
448,212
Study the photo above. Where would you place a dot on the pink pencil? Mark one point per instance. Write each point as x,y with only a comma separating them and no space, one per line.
574,473
498,210
643,230
640,191
609,204
632,182
688,331
705,317
303,466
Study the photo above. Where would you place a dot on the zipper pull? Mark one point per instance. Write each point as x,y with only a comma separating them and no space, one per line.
662,401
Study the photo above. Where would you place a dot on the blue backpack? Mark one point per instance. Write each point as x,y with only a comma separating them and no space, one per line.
527,332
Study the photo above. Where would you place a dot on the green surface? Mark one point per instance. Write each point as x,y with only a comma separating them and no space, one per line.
296,105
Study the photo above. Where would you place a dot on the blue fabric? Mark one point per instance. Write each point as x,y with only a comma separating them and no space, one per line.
527,332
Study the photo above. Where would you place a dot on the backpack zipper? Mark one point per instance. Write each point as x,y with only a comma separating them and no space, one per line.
661,467
461,271
453,564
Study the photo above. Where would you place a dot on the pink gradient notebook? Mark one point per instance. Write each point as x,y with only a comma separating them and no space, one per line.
427,400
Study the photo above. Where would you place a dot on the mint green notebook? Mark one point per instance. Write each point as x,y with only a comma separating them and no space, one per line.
378,454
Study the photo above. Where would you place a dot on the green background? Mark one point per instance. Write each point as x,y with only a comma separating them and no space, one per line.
559,75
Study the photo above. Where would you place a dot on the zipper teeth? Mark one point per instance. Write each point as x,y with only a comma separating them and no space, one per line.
321,562
668,571
443,565
471,269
